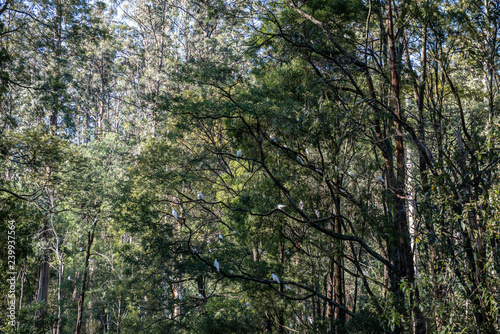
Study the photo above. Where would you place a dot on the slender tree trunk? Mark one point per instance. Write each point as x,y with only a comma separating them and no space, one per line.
330,309
44,275
43,286
43,282
59,281
403,260
57,72
338,282
119,317
81,299
281,311
23,274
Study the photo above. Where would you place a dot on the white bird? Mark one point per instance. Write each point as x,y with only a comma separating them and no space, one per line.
221,237
301,205
310,319
69,278
238,154
180,297
200,195
216,265
174,213
275,278
201,296
281,206
307,151
81,249
272,138
299,159
380,178
287,287
317,212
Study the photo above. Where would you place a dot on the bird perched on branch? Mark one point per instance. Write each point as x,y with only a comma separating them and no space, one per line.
275,278
216,265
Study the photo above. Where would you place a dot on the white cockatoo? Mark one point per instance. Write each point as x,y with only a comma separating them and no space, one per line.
275,278
216,265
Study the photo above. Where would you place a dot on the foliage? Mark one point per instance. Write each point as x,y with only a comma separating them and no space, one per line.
250,166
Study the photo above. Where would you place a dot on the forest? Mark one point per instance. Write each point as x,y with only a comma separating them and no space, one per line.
249,166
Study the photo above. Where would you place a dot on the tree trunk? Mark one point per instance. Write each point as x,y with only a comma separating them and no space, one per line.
43,282
81,299
403,258
43,276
